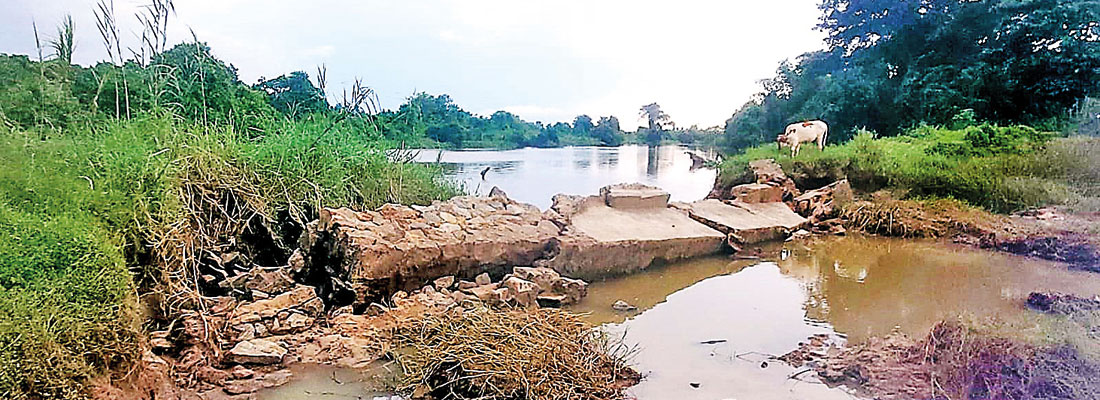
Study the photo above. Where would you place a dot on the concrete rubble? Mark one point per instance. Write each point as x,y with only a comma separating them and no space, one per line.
623,229
820,203
745,223
257,351
356,257
524,287
759,172
289,312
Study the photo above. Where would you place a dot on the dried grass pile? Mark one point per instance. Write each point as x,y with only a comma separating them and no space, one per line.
487,353
919,218
956,362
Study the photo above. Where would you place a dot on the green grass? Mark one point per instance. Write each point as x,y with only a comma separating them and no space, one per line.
998,168
92,215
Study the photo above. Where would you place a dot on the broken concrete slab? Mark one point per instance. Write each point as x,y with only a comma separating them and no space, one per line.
634,195
357,257
604,240
746,222
757,193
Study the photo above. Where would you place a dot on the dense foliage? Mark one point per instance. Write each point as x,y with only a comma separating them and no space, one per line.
892,64
427,120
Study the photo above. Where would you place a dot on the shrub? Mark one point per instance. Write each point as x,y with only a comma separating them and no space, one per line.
65,310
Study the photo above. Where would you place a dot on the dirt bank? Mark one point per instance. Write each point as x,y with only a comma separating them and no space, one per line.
952,362
1048,233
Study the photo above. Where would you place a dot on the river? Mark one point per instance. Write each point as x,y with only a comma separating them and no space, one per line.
534,176
706,328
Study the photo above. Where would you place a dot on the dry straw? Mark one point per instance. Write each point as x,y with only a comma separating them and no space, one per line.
482,353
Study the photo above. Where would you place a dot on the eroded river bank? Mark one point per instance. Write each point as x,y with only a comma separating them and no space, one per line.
761,291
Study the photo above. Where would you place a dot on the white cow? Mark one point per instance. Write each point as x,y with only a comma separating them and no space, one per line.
803,132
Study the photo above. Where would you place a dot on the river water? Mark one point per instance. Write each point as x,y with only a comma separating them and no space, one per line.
706,328
534,176
851,288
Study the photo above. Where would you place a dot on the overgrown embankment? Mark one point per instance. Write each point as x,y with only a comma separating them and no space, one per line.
170,202
1001,169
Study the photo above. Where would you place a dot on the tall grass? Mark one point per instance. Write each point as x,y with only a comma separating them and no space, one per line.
998,168
150,196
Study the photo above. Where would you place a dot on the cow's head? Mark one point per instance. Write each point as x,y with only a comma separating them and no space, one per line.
780,140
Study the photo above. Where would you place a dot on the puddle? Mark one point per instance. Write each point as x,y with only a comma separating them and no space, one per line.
323,382
854,287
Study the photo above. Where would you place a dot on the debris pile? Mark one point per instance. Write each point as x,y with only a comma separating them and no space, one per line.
477,352
524,287
747,187
822,206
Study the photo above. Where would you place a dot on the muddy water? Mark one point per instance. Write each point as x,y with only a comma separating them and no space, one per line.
534,176
853,287
311,381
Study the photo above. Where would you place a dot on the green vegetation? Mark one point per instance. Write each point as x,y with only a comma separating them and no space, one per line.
997,168
436,121
118,180
894,65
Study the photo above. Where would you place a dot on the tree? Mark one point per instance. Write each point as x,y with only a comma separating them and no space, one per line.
657,120
293,95
582,125
607,131
450,133
892,65
203,88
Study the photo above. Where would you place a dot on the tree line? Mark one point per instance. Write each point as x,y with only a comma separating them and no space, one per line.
893,65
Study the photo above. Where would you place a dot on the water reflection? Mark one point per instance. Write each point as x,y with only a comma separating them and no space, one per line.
535,175
866,286
856,287
653,160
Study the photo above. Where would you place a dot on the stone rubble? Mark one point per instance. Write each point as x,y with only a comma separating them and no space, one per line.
289,312
526,287
763,172
820,204
622,306
257,351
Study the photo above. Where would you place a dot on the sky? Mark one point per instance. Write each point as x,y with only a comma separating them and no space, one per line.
542,60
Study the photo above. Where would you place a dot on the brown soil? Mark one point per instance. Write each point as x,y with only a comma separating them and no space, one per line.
952,362
1049,233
